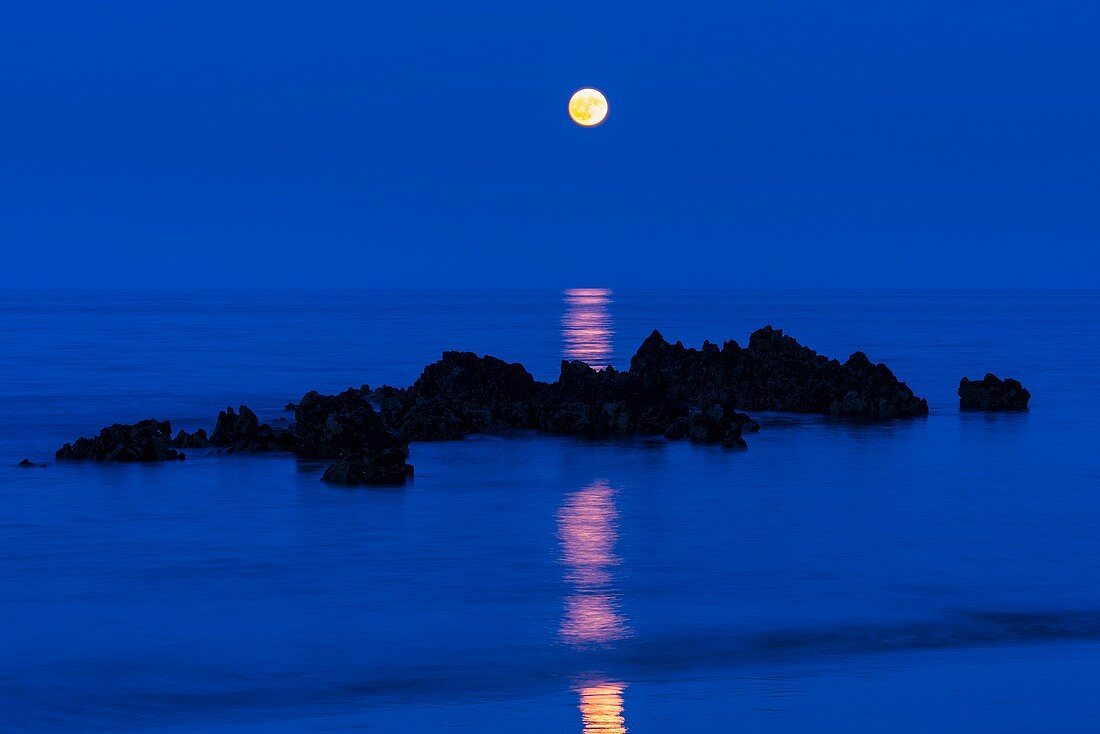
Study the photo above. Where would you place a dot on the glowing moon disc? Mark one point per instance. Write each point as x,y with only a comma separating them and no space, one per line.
588,107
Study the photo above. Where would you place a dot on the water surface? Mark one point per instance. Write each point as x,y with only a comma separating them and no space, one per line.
919,574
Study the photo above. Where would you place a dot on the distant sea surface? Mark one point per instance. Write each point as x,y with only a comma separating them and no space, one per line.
918,575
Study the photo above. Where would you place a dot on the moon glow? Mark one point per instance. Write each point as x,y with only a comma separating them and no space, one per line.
588,107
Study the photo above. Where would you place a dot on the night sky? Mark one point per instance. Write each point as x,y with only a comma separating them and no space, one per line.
403,144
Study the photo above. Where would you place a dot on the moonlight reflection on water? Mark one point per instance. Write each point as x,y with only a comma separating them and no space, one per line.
587,531
586,326
602,708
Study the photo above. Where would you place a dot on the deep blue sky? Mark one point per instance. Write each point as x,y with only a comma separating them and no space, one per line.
862,143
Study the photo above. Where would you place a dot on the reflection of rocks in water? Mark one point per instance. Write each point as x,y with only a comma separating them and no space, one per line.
586,327
601,708
586,527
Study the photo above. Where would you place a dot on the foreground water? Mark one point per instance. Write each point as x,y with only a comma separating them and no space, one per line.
923,574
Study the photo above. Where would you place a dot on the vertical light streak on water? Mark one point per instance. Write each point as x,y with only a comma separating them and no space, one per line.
601,708
586,327
586,529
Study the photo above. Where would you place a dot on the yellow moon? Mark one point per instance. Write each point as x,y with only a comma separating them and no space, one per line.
588,107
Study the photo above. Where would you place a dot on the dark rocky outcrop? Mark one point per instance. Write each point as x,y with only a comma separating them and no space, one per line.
587,402
774,372
196,440
462,393
147,440
993,393
327,426
385,466
28,464
242,431
669,390
346,427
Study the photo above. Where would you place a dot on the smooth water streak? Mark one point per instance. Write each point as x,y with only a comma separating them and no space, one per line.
587,328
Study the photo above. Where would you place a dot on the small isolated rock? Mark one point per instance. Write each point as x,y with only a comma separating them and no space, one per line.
28,464
992,393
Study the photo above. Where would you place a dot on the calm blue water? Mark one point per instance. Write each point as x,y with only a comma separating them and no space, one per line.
836,576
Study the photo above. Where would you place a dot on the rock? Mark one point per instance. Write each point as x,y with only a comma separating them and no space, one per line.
377,467
232,428
678,429
330,426
196,440
462,393
347,428
992,393
716,424
290,407
596,403
147,440
774,372
669,389
242,431
28,464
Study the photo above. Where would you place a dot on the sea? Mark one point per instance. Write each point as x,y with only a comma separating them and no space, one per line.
931,574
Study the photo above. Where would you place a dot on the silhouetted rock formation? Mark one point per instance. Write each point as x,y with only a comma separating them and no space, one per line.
385,466
347,428
147,440
774,372
196,440
669,390
460,394
587,402
992,393
28,464
242,431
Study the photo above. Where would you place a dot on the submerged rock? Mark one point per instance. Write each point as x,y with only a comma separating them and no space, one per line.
992,393
147,440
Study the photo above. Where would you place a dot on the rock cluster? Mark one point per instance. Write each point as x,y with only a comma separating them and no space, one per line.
992,393
461,394
196,440
777,373
669,390
346,427
147,440
242,431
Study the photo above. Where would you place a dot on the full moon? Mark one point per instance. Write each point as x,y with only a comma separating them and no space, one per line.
588,107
